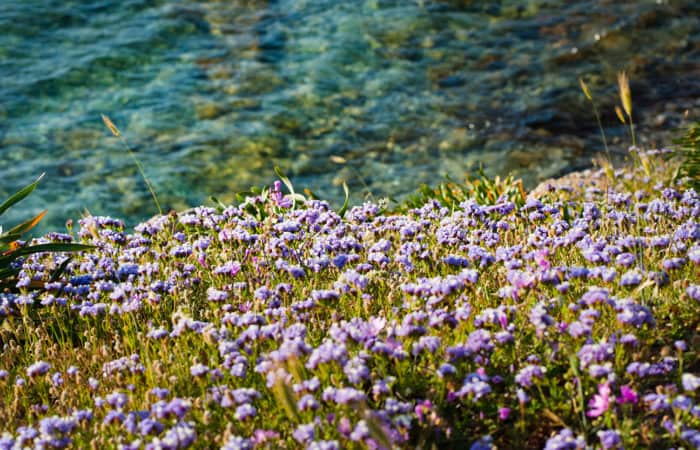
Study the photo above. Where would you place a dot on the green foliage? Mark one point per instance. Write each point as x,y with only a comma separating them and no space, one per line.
11,246
293,196
483,190
690,147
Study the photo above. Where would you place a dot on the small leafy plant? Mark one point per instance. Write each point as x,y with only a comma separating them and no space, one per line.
484,190
256,202
12,248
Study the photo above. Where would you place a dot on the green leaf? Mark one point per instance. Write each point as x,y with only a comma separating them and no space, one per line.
56,274
6,273
20,195
27,225
7,238
344,208
53,247
289,185
311,194
284,179
218,204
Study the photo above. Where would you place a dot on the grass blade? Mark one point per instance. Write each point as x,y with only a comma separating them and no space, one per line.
27,225
21,194
8,238
56,274
53,247
344,208
284,180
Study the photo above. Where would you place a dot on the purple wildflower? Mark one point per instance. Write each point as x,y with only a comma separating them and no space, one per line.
474,385
238,443
625,259
690,382
525,377
657,402
307,402
600,370
483,443
693,291
57,379
632,313
446,369
520,279
114,416
360,432
565,440
598,353
245,411
522,396
230,268
609,439
117,400
216,295
423,408
627,395
323,445
160,393
631,278
304,433
629,339
38,368
261,436
150,426
673,263
199,370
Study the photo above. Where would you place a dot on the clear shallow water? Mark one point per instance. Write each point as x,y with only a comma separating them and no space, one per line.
384,94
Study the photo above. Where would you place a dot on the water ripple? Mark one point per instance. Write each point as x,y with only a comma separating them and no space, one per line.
212,94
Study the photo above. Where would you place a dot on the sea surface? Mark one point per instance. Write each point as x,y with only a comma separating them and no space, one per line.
384,95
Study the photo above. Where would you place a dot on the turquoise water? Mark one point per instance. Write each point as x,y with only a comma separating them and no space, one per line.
385,95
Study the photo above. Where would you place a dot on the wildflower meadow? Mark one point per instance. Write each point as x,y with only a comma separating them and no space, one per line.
569,320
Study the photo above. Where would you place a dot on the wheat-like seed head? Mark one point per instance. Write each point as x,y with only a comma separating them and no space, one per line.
585,89
625,94
113,128
620,115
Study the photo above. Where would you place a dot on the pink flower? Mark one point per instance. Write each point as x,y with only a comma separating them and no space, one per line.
541,259
627,395
261,436
601,401
503,413
521,279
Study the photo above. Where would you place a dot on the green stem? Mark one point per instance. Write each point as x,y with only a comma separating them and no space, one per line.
602,131
579,388
141,171
634,141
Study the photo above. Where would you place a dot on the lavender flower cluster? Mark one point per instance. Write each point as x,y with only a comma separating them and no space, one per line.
569,322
